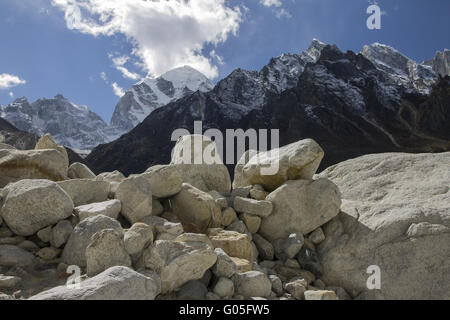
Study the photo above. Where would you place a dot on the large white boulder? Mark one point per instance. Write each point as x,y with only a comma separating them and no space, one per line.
110,208
106,250
270,169
80,171
16,165
178,262
165,181
197,210
396,217
300,206
199,163
75,249
85,191
47,142
116,283
31,205
135,193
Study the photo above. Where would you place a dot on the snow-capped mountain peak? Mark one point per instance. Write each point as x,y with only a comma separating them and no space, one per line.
399,68
70,124
152,93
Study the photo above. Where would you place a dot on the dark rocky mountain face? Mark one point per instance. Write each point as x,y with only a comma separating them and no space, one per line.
21,140
344,101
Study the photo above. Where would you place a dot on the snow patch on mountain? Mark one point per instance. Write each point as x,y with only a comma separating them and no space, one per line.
400,69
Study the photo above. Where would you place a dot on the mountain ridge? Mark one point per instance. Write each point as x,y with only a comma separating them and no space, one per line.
340,96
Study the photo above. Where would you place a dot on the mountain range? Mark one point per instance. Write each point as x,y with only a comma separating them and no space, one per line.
377,100
78,127
374,101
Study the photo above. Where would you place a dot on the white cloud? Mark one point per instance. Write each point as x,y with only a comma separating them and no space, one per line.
271,3
277,8
8,81
118,91
213,54
165,34
103,76
280,13
119,63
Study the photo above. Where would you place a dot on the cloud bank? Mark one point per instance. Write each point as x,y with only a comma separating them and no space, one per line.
165,34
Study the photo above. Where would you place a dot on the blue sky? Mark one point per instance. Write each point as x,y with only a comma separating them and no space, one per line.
50,47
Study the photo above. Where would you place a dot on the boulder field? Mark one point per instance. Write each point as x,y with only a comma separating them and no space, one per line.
375,227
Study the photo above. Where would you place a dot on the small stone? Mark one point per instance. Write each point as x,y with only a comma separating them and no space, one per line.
220,200
224,288
8,282
286,273
317,236
238,226
157,207
233,243
296,289
13,256
277,285
292,263
264,247
114,176
320,295
251,222
5,232
225,266
243,265
49,253
29,246
228,216
241,192
193,290
309,261
137,238
45,235
61,233
206,279
161,225
211,296
252,284
12,240
258,208
308,244
258,194
319,284
340,293
288,248
255,252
